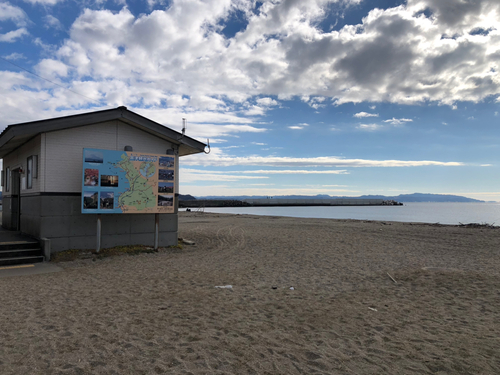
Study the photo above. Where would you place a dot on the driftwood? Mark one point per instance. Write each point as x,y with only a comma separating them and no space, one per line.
392,278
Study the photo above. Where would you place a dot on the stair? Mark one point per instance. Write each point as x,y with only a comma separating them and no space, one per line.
20,252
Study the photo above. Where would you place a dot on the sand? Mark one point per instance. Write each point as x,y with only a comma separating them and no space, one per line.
161,313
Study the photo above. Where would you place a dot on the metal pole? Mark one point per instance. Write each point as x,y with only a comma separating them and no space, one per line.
157,225
98,245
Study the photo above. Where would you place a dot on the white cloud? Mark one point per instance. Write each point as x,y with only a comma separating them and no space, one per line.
53,22
220,159
298,171
11,36
299,126
178,57
365,114
14,56
251,189
49,68
268,102
192,175
12,13
315,102
396,122
255,110
44,2
369,127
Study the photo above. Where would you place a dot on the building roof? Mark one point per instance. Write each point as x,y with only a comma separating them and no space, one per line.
17,134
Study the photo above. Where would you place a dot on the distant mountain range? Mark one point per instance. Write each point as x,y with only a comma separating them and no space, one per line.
415,197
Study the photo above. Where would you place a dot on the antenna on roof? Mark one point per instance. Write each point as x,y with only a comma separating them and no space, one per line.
184,125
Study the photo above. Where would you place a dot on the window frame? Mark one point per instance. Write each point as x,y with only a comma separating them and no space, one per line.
29,172
7,179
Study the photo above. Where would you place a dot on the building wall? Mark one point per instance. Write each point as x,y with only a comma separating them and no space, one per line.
53,209
64,150
58,218
18,158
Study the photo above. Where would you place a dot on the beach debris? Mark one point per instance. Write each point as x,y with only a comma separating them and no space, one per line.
292,288
224,286
373,309
187,242
392,278
478,225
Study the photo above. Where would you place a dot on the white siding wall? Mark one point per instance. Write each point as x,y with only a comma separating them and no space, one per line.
18,158
140,140
64,150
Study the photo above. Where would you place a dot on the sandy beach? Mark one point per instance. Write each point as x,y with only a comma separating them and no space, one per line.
161,313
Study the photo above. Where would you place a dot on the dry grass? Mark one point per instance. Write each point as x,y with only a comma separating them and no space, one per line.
75,254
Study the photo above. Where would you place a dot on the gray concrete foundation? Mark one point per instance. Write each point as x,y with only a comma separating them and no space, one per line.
58,219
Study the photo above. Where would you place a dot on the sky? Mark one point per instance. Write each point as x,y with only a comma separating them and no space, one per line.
336,97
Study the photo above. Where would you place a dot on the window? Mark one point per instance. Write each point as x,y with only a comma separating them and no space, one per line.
7,179
29,172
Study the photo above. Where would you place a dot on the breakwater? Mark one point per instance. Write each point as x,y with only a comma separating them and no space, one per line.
212,203
272,202
318,202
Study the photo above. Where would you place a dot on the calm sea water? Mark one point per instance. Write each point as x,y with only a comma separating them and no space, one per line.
444,213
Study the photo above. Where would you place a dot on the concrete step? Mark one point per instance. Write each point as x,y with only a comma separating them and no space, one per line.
12,253
20,260
14,245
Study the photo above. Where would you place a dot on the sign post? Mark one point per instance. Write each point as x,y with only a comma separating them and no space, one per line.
157,227
98,234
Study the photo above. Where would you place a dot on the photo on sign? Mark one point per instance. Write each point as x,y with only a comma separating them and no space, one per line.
165,174
107,200
90,199
109,180
166,187
167,162
165,200
91,177
92,156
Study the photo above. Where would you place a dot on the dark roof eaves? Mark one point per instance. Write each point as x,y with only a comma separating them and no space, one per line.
67,122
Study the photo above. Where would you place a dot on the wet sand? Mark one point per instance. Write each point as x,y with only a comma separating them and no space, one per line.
161,313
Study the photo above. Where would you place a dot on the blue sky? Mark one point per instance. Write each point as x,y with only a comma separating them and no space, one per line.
344,97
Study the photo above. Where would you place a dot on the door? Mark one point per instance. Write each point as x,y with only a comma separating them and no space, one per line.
15,207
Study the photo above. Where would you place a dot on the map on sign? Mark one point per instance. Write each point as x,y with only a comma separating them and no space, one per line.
127,182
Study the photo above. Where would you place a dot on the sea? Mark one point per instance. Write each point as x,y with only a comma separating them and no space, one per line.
442,213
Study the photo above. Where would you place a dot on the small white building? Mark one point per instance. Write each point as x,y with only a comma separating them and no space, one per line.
42,178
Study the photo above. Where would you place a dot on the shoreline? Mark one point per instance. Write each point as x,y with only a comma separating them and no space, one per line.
384,222
429,213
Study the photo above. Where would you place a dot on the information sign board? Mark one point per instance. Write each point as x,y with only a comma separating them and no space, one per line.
117,182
